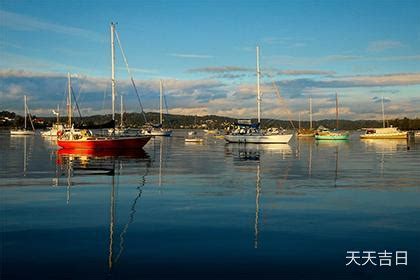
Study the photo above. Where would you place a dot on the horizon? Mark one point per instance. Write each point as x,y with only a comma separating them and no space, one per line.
205,53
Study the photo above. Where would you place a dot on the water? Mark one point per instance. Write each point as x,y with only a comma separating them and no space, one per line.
212,210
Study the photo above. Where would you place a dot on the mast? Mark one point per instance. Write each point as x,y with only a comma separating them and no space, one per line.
24,98
310,112
121,112
383,113
258,86
299,121
161,100
69,106
336,110
58,113
113,69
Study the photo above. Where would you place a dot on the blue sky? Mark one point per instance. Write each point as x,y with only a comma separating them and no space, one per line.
205,53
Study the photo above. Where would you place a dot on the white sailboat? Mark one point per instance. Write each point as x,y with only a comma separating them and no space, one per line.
158,130
384,132
247,133
24,131
52,132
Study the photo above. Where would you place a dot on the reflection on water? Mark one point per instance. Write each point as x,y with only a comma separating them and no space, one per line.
385,145
106,163
220,210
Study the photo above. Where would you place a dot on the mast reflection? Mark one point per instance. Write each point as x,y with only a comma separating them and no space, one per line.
108,163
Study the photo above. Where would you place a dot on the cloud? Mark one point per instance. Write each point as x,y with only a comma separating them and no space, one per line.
185,55
20,22
305,72
378,46
234,72
378,99
220,69
210,96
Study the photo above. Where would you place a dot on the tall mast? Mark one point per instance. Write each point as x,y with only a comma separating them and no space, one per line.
24,98
299,120
336,110
383,112
161,101
113,69
121,112
310,112
69,98
258,86
58,113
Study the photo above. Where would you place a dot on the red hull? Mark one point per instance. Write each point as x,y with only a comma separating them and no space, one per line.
105,143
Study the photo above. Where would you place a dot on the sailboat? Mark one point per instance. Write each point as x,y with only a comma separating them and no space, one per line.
326,134
24,131
384,132
54,130
158,130
84,139
305,132
252,133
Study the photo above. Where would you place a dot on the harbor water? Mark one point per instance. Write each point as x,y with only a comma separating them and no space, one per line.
209,210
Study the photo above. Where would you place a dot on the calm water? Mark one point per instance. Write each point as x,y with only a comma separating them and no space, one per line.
212,210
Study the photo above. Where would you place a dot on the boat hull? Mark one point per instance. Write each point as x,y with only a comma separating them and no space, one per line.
105,143
332,137
267,139
194,140
305,135
158,133
22,132
402,135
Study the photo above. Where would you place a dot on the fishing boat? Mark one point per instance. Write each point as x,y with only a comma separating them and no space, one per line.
252,133
24,131
384,132
84,139
327,134
53,131
157,129
307,132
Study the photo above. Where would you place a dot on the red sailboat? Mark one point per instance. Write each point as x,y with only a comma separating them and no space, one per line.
84,139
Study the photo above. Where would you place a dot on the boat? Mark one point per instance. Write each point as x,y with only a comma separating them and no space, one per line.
252,133
53,131
84,139
327,134
121,130
24,131
193,137
384,132
157,129
307,132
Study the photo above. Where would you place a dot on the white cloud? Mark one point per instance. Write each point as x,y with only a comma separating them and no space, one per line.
26,23
378,46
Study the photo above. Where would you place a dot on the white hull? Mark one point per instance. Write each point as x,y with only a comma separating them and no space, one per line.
22,132
159,133
268,139
400,135
194,140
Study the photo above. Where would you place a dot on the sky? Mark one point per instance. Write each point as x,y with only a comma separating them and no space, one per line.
204,51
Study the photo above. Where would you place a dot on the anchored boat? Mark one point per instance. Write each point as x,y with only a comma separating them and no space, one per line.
248,133
84,139
326,134
384,132
157,129
24,131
